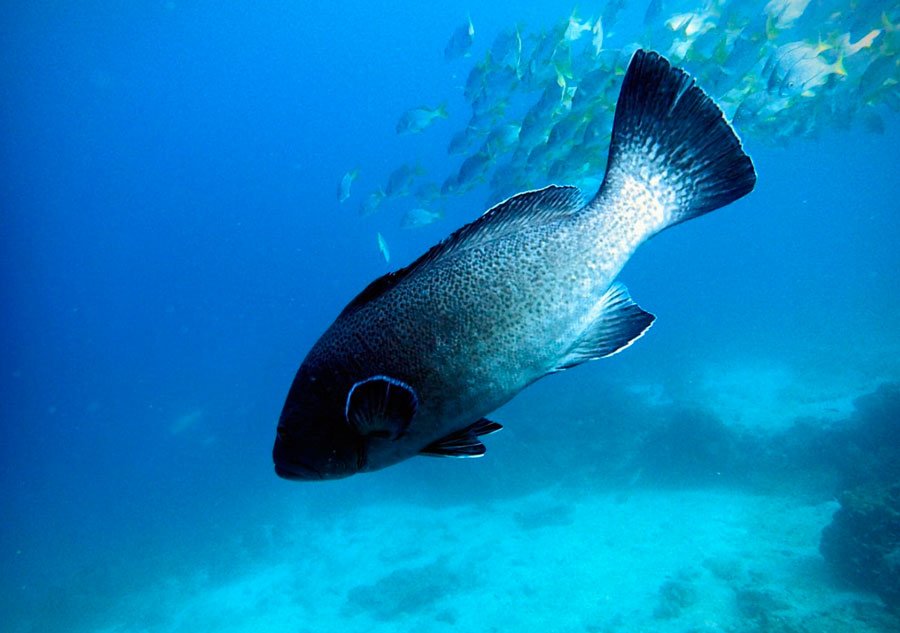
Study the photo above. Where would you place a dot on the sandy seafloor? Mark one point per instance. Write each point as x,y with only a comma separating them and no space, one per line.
649,560
633,556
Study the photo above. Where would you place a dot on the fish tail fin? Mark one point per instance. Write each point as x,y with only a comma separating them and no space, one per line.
822,46
442,110
838,66
672,155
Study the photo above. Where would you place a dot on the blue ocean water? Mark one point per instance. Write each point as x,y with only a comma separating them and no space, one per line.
173,246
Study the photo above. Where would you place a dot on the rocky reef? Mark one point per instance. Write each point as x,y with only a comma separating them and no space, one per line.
862,543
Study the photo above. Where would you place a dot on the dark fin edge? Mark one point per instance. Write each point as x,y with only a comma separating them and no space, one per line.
666,124
620,324
463,443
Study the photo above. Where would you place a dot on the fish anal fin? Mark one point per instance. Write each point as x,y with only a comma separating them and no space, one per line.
620,323
483,426
462,443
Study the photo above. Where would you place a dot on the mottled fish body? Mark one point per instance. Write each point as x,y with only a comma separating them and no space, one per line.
414,363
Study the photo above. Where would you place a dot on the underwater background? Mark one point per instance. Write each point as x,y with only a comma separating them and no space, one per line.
173,244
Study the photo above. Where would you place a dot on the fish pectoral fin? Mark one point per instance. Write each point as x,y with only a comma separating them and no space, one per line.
381,406
621,323
462,443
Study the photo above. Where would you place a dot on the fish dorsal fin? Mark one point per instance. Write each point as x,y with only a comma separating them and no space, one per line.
523,210
381,406
462,443
619,324
374,290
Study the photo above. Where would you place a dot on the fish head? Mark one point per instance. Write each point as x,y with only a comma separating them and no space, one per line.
314,440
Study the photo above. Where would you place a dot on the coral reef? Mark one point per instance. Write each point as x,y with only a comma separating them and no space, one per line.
675,594
862,543
406,591
688,447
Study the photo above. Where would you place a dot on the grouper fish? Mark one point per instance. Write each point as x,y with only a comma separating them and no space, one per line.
414,363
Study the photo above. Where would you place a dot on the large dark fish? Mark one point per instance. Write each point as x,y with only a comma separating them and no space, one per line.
415,361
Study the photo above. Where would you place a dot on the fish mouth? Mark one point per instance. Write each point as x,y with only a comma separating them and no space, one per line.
296,472
287,466
295,462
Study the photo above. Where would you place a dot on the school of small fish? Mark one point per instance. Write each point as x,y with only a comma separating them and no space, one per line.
540,103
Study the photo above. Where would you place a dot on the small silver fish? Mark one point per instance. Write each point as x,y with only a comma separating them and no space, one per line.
507,48
415,120
576,28
460,42
419,217
597,39
462,140
797,68
383,247
783,13
343,191
372,202
400,180
473,169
